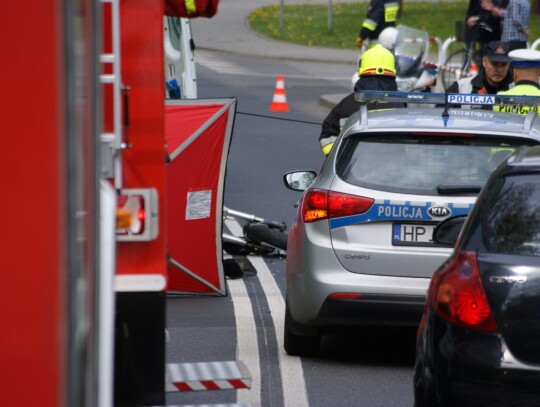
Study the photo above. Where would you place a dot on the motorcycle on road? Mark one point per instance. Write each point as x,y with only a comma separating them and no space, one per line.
414,72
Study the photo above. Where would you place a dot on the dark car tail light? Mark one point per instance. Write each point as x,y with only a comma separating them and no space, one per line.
320,204
457,294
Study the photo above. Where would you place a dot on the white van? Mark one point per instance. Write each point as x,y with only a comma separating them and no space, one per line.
180,74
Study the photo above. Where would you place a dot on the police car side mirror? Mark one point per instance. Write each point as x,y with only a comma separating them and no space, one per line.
447,232
299,180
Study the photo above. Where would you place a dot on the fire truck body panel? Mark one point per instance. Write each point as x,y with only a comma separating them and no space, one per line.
143,111
83,107
50,203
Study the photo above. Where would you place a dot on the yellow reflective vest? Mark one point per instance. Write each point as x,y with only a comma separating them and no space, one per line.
522,88
190,6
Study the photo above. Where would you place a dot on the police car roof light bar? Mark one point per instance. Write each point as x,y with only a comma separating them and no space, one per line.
367,97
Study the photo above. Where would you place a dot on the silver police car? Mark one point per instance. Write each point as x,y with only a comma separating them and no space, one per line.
360,251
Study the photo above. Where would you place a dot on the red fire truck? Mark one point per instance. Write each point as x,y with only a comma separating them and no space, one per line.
87,259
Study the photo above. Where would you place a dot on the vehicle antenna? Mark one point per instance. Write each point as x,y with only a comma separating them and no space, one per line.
445,114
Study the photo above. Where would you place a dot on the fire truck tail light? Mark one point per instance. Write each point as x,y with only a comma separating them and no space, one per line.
130,214
141,215
137,215
123,218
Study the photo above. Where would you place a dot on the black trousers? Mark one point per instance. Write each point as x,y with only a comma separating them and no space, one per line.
512,45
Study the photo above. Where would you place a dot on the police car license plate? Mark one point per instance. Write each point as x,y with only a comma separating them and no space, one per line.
410,234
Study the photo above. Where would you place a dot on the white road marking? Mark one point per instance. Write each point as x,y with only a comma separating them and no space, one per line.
292,374
247,348
217,64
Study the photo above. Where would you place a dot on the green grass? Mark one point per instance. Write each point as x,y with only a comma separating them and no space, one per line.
308,24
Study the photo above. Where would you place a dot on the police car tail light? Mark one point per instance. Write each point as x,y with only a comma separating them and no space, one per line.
314,205
320,204
345,296
458,297
340,205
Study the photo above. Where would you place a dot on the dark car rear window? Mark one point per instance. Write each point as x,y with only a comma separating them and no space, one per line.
419,164
513,216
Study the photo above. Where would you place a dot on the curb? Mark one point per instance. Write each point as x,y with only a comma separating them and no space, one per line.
331,100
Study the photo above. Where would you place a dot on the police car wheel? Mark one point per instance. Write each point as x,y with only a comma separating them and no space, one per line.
299,345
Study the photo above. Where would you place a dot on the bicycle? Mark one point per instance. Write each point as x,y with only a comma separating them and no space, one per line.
458,64
259,236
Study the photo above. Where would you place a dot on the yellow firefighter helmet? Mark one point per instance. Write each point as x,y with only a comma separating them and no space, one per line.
377,61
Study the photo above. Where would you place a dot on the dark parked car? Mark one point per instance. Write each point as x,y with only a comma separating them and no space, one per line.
478,342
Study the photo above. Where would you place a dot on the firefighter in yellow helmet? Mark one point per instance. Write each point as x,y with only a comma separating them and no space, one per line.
377,61
377,71
526,65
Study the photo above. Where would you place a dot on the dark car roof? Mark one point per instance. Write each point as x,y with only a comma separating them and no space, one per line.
525,160
526,157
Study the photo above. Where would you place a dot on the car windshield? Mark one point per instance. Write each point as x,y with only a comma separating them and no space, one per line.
512,216
421,164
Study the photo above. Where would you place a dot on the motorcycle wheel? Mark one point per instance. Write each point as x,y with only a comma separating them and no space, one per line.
262,233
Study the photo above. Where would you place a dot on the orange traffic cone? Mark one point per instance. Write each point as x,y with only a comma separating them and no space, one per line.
279,103
473,70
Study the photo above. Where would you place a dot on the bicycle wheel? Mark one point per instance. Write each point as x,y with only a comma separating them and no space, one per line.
455,66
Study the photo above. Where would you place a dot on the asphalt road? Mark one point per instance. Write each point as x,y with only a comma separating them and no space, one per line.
370,367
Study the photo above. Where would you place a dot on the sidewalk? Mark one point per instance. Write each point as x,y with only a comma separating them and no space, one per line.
228,31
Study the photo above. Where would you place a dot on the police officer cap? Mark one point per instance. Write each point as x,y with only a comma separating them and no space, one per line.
525,58
497,51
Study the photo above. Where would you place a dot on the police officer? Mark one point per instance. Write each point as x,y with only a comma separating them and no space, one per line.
526,65
495,75
381,14
377,71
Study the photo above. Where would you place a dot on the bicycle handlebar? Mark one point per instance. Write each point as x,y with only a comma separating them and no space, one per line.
485,26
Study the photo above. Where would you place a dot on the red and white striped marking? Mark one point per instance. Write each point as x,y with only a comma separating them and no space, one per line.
458,72
228,375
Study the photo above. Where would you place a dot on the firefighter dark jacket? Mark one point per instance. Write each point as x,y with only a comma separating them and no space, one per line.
480,85
347,106
381,14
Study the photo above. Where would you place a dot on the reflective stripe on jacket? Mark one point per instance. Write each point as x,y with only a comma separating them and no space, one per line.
190,6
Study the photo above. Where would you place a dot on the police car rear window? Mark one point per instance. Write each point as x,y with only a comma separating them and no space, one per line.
421,164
